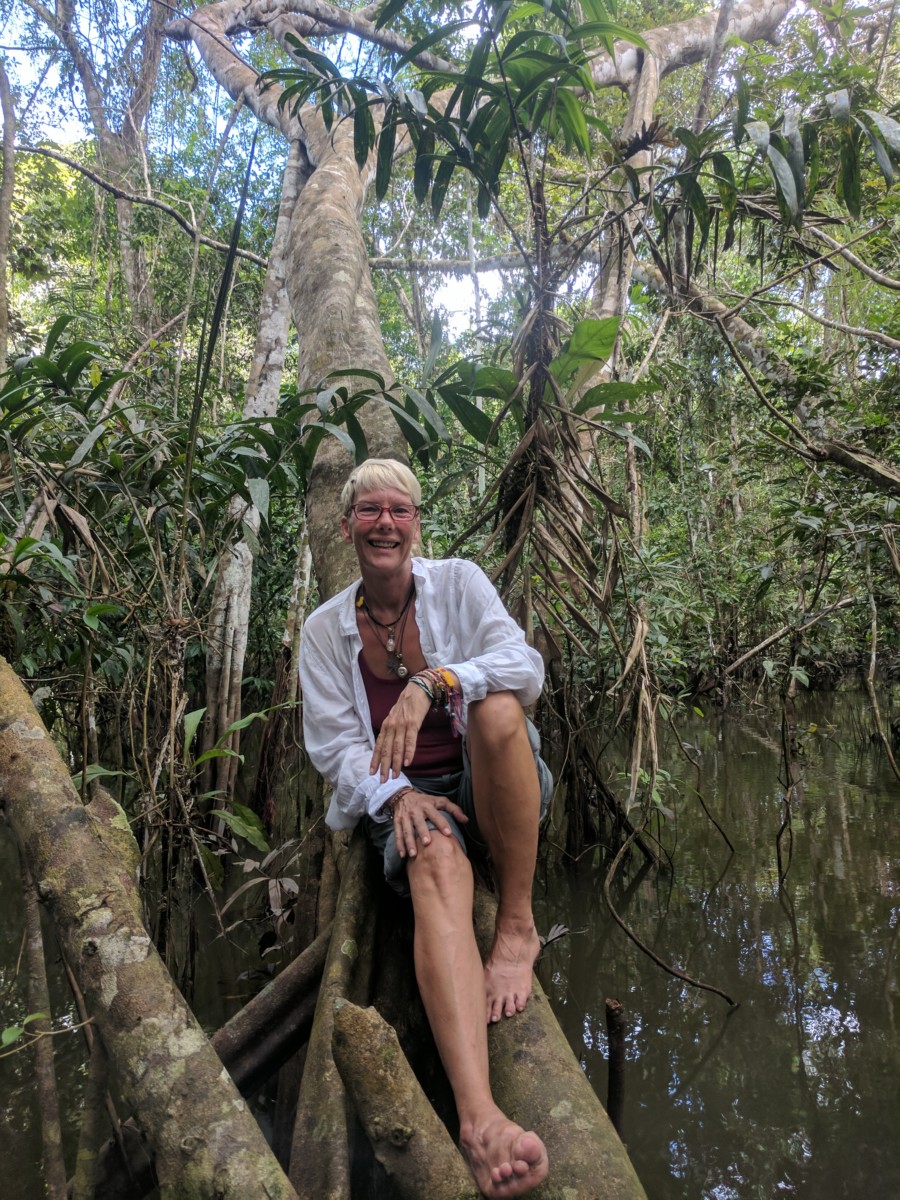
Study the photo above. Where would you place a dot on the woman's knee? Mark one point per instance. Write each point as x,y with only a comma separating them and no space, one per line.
497,720
441,865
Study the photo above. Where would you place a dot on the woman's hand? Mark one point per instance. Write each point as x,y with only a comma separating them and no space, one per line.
396,743
411,815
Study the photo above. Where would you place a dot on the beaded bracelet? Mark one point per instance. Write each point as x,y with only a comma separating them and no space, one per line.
441,685
392,801
424,685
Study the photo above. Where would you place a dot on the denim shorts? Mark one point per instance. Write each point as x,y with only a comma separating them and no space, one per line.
457,787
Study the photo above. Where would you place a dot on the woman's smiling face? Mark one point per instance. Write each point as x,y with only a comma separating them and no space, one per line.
384,544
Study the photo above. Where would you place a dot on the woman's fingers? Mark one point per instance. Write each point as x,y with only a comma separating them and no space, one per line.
395,746
411,816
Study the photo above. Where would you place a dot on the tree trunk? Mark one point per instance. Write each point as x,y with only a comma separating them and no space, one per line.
7,187
230,609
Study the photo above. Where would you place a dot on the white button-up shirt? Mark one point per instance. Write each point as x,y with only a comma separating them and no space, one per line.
462,626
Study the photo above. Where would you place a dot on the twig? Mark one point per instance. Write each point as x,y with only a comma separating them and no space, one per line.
642,945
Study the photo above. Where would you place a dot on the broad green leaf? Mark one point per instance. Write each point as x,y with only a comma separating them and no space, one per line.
423,165
784,179
790,130
245,824
259,494
424,407
527,12
434,346
94,771
358,437
743,109
812,158
724,176
473,420
191,724
341,434
887,127
614,392
437,35
592,341
212,865
758,132
363,132
628,436
570,118
385,160
84,449
57,329
690,141
442,178
485,380
849,188
608,31
94,612
388,10
839,104
881,155
215,752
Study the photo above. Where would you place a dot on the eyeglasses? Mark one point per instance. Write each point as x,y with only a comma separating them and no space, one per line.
367,514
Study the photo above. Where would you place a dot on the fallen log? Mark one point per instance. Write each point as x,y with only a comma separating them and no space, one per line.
539,1083
252,1045
205,1139
407,1136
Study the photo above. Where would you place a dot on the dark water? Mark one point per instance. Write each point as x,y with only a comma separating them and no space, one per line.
794,1093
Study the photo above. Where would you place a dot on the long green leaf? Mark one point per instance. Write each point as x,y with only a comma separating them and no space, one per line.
475,422
385,160
887,127
87,445
570,116
784,180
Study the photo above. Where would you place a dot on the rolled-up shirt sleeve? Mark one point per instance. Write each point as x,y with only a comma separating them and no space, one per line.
503,661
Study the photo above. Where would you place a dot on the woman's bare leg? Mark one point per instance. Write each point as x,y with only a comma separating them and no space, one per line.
507,806
504,1159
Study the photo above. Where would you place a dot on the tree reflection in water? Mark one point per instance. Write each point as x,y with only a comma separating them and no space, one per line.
793,1093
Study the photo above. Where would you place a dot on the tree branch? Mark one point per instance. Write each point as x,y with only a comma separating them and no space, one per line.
121,194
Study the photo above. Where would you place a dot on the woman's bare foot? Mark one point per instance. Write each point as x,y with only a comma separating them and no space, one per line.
504,1159
508,970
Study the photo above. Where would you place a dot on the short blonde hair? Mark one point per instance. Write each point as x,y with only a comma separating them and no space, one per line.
377,473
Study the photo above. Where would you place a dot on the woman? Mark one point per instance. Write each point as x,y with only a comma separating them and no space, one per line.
413,683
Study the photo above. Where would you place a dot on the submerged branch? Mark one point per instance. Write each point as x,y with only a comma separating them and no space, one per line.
669,968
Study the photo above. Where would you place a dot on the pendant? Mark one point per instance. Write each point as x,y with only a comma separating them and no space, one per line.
402,671
390,643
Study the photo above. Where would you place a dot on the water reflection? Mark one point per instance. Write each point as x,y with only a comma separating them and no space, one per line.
794,1093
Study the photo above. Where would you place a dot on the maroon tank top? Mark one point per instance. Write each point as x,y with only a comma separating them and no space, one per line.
438,752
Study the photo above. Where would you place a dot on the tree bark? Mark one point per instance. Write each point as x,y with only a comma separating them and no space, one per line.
407,1136
206,1141
7,187
44,1069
